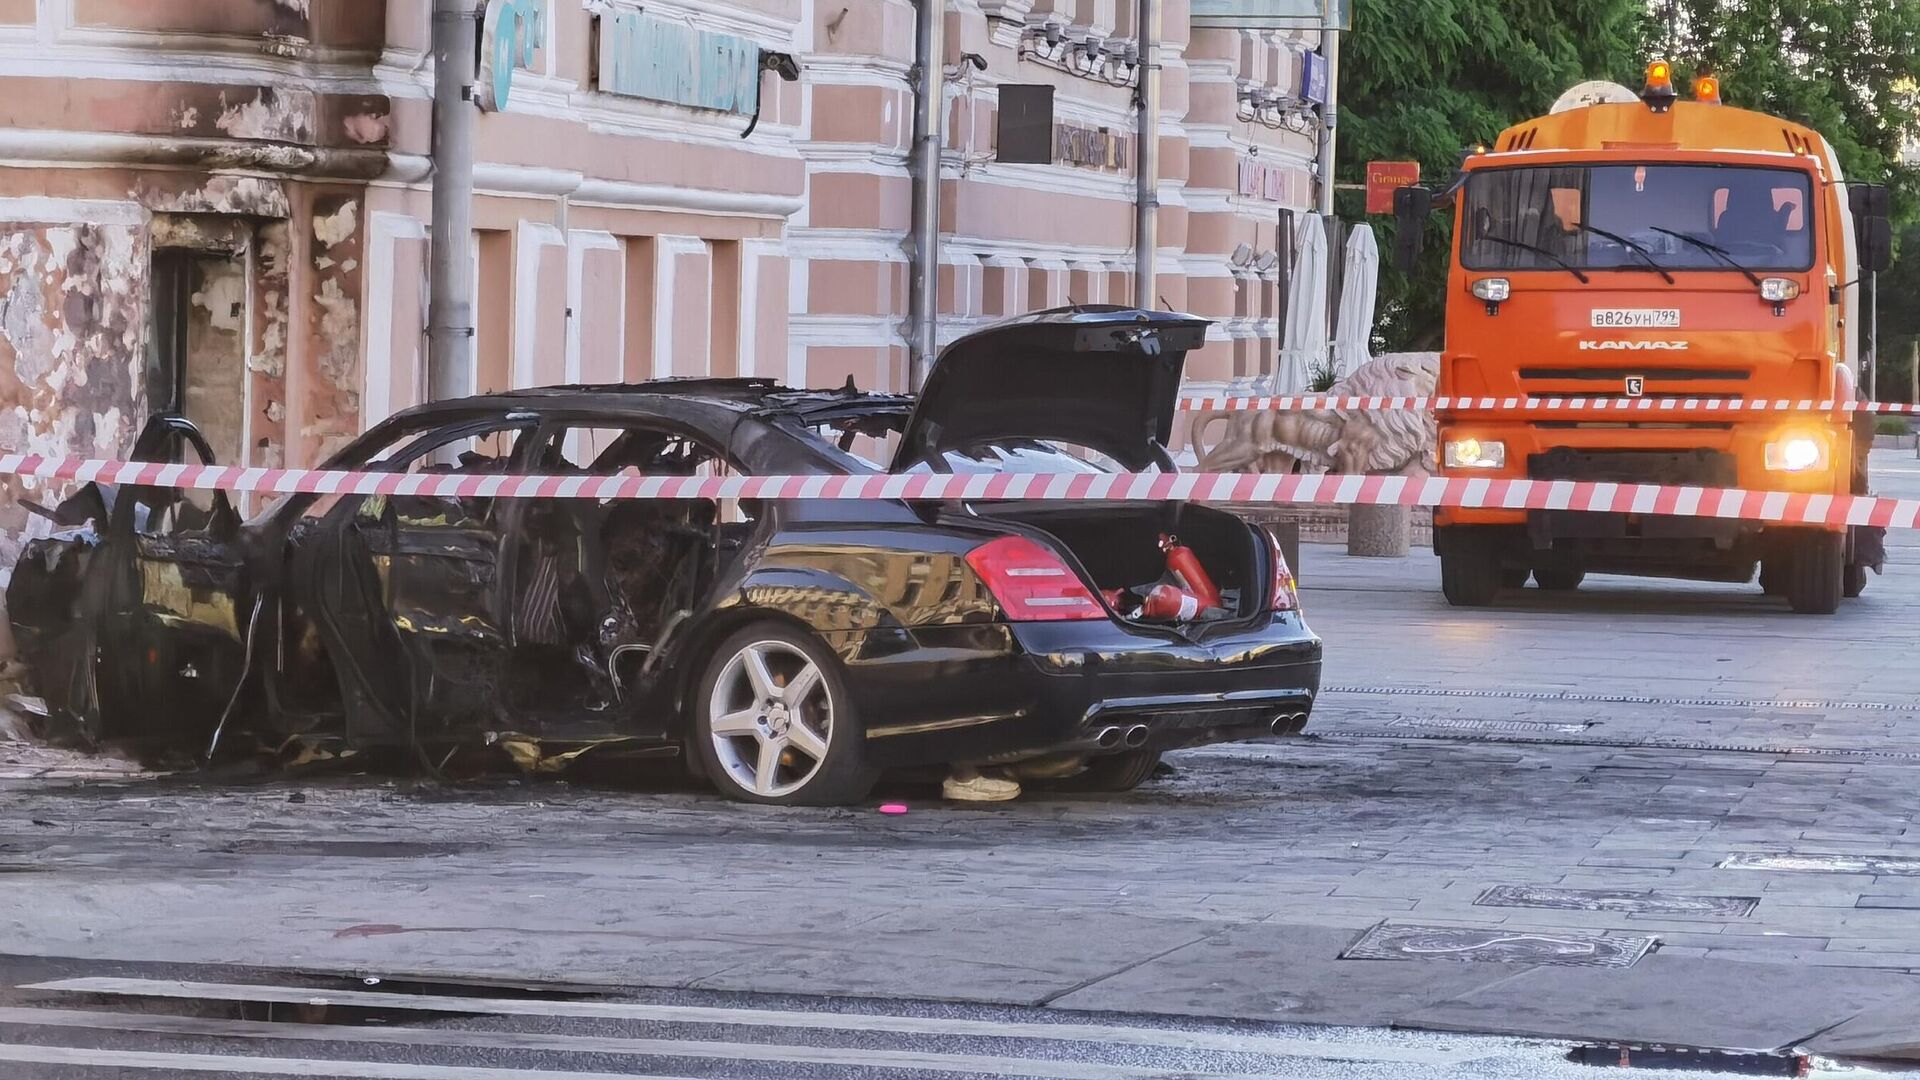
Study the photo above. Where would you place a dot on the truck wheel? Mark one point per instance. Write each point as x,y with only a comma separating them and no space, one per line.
1470,578
1816,575
1559,578
1856,582
1772,575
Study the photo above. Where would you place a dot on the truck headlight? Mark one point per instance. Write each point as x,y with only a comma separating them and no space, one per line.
1797,452
1494,290
1778,290
1475,454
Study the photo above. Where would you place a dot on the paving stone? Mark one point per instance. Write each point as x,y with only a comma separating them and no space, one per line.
1681,1001
1281,973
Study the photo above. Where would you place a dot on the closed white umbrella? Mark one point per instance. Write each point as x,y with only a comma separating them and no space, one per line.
1359,295
1303,345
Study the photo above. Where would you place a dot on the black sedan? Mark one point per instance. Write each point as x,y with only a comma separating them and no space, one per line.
791,650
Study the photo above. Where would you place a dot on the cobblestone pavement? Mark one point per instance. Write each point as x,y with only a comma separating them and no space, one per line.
1641,760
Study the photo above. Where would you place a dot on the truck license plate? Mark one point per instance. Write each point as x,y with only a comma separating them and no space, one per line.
1636,318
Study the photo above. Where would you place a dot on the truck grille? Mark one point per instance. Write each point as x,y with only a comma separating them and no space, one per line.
1702,468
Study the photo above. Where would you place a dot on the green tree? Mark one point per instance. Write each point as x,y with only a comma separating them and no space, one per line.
1426,79
1849,69
1899,320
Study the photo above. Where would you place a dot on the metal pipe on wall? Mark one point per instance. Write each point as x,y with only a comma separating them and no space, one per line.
456,50
928,129
1330,112
1146,229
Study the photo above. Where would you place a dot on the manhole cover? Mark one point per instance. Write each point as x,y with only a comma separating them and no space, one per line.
1498,945
1622,900
1511,726
1901,865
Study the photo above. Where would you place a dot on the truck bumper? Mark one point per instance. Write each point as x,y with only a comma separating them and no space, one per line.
1710,455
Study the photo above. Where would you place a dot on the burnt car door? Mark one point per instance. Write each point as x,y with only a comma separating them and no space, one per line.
411,594
135,626
605,581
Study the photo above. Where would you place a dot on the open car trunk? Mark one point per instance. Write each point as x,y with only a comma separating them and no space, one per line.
1117,547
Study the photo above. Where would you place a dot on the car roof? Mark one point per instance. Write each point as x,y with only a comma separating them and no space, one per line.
659,396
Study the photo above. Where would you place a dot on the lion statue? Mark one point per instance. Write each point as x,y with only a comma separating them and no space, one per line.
1383,441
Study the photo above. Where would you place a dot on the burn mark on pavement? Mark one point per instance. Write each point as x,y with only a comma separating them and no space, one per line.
1892,865
1499,945
1627,901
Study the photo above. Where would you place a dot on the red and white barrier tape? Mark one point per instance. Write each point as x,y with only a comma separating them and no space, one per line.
1466,492
1312,402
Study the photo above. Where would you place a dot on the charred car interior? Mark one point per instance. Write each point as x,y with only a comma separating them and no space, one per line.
787,649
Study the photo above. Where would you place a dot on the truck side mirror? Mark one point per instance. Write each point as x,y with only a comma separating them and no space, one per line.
1876,244
1872,225
1869,200
1411,208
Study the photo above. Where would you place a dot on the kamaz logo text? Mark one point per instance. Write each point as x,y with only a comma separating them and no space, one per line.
1636,346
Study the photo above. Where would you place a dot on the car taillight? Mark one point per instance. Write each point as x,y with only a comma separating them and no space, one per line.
1032,583
1286,595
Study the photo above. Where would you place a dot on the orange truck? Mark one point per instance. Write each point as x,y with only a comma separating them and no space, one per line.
1654,246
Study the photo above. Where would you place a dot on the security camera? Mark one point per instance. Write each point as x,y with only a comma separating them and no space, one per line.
973,60
782,64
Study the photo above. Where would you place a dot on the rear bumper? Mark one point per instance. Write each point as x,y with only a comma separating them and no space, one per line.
1002,692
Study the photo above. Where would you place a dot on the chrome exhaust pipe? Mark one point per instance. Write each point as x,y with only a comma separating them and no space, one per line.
1286,723
1108,739
1136,736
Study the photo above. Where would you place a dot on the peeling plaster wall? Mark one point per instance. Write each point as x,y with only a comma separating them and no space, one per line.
216,362
330,378
267,356
73,337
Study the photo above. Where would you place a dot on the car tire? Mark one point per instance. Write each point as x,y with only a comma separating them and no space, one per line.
1816,577
1114,773
1470,578
1856,582
1559,579
772,722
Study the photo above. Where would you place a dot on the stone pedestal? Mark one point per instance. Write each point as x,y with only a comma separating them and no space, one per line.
1381,532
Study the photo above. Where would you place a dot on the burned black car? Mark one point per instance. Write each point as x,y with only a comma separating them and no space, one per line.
791,650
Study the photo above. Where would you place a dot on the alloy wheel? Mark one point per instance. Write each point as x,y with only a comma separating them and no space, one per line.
770,717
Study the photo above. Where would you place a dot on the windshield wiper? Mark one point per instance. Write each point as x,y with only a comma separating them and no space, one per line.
1631,245
1712,249
1537,250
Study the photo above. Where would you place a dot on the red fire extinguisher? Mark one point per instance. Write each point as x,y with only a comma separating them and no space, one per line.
1183,563
1166,601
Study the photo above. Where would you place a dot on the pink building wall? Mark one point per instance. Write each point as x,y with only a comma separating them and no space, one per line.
282,147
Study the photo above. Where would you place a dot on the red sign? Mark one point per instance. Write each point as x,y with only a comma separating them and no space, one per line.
1386,177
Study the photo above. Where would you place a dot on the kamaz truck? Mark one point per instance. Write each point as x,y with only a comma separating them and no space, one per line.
1650,246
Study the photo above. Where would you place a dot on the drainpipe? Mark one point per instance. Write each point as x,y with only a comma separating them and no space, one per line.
456,50
1330,112
1329,124
1146,226
928,129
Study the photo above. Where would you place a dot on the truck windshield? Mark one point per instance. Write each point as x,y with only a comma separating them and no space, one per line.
1549,218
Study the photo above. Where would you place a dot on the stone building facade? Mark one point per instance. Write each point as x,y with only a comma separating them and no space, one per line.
222,206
